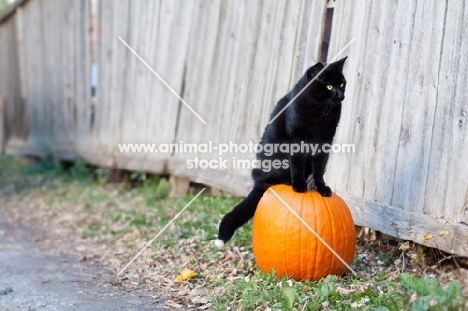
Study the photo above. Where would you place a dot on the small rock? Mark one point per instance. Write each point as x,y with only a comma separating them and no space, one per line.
6,290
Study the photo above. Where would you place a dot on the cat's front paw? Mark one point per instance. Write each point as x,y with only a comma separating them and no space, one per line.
300,186
325,191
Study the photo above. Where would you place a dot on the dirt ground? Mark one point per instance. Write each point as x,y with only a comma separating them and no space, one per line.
32,278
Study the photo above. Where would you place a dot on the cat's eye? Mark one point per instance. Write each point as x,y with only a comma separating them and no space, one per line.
341,85
330,87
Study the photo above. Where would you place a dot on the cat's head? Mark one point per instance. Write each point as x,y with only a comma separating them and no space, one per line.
329,82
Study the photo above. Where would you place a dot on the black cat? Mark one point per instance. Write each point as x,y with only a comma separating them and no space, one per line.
311,118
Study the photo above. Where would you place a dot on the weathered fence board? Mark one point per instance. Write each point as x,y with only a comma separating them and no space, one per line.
112,85
2,123
81,56
47,90
38,113
447,185
14,122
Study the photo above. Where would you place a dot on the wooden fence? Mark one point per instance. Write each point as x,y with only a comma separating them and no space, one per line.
44,76
231,61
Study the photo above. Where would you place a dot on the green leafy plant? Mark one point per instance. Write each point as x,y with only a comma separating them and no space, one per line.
431,296
102,175
80,169
138,176
45,165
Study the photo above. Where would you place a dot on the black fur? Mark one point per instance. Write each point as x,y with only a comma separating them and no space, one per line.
312,118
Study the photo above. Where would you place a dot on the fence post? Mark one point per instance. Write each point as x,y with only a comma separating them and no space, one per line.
178,186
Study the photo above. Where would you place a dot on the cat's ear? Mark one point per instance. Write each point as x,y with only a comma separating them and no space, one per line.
315,69
339,63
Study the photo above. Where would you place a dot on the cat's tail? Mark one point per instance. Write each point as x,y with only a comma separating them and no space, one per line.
240,214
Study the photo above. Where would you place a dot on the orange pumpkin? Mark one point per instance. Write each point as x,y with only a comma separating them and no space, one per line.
283,243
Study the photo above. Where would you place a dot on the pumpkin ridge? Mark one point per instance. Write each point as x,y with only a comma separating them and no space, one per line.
348,225
282,214
301,235
325,218
352,231
341,226
316,244
282,242
288,244
331,206
304,251
344,219
298,198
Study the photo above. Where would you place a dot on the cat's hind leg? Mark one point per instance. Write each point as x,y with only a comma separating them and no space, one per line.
240,214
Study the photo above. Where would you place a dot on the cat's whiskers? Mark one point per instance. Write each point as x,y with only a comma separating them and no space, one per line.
324,109
327,109
317,106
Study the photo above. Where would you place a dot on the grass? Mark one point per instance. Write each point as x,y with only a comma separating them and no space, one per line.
115,220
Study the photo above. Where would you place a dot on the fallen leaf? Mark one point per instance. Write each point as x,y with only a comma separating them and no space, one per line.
200,300
205,306
344,291
185,275
413,298
405,246
173,304
428,237
184,259
443,232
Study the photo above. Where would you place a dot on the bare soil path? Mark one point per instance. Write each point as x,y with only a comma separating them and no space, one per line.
32,278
